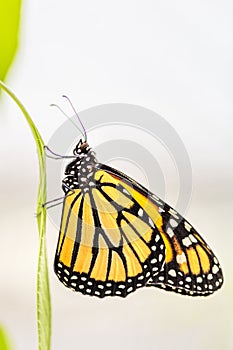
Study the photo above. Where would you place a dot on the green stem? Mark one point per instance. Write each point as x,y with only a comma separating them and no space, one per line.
43,292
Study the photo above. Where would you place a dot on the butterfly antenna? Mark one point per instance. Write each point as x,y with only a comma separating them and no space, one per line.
76,113
61,110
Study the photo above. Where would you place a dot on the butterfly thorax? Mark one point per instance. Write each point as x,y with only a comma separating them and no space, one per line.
80,172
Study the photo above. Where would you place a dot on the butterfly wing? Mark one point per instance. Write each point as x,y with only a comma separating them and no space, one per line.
190,266
110,241
120,237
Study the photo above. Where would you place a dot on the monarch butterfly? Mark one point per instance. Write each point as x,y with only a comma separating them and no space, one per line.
116,236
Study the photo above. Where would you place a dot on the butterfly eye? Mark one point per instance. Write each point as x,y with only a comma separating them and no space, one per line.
84,146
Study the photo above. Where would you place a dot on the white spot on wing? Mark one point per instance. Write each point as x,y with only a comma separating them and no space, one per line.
156,199
151,223
121,286
153,261
170,232
215,269
74,278
192,238
125,191
173,222
160,257
172,273
173,213
140,212
181,258
186,242
187,226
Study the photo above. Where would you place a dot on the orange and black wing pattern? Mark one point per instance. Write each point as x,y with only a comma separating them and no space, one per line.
116,237
190,267
110,240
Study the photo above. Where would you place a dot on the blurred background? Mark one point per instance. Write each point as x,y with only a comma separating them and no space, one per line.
174,58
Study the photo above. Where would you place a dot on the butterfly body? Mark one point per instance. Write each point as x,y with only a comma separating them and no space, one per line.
80,172
116,237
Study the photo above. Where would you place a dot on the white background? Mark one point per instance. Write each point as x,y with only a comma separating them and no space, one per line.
172,57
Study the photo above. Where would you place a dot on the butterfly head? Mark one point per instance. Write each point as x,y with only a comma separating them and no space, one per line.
85,158
81,148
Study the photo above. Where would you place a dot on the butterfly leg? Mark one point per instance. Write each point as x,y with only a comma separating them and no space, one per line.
61,199
55,155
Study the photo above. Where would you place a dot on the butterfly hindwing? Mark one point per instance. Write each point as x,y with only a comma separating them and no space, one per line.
190,268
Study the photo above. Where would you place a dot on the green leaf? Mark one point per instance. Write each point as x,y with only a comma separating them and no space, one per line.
43,292
9,30
5,343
